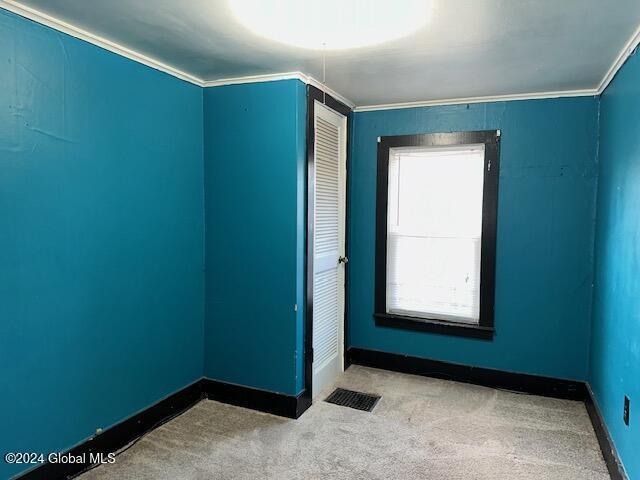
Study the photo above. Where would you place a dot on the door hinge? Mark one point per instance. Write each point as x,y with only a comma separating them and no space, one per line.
311,354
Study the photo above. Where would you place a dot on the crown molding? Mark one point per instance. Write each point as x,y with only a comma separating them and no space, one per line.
274,77
57,24
623,55
271,77
322,87
486,99
626,51
64,27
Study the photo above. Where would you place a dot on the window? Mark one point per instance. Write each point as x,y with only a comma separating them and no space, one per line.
436,230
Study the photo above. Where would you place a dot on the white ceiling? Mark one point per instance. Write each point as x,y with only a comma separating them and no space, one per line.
469,48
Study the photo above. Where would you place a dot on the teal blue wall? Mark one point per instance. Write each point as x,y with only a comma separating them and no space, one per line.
615,339
545,234
101,238
254,222
104,307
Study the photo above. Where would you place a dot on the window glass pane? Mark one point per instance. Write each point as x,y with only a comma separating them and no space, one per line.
434,228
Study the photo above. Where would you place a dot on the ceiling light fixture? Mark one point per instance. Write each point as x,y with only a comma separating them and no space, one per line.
331,24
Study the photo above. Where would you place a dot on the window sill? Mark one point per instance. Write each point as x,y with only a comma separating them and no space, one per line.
434,326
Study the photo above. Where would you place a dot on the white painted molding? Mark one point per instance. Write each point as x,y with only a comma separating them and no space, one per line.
49,21
316,83
487,99
628,49
61,26
271,77
274,77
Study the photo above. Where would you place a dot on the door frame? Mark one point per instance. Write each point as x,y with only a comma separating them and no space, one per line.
313,94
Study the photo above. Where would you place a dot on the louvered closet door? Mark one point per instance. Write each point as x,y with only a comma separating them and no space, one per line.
329,246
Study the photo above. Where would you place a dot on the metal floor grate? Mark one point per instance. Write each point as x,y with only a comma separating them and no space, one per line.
351,399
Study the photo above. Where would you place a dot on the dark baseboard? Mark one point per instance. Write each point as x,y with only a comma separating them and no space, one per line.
276,403
520,382
120,435
533,384
616,472
303,403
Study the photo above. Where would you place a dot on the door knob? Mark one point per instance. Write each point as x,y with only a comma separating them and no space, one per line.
344,260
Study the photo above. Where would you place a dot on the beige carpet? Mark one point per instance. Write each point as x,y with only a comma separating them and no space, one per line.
422,428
